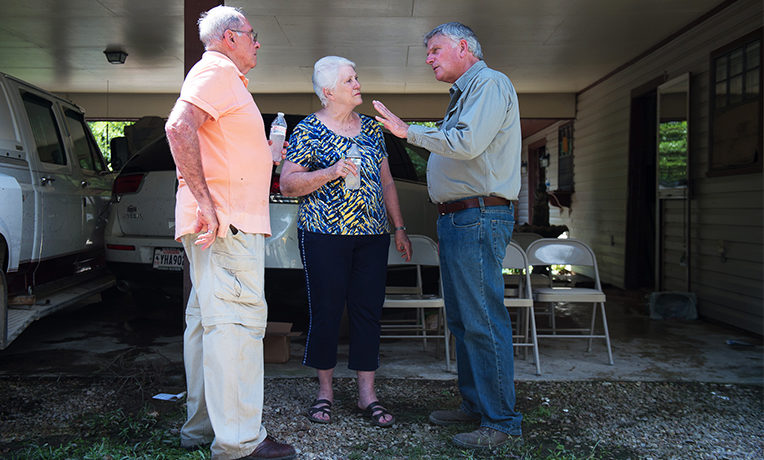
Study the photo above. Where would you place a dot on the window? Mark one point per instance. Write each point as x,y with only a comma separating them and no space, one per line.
565,158
735,131
673,137
419,157
105,131
50,148
87,153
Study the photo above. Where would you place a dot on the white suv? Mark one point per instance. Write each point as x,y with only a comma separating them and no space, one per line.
140,242
54,195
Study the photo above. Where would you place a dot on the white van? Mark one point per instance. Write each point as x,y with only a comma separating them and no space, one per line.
55,189
140,244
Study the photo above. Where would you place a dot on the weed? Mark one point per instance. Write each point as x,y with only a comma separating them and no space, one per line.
105,448
537,414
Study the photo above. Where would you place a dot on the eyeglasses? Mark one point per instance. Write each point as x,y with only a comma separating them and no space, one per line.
252,34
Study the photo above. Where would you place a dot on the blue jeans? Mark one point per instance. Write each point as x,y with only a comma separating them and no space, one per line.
472,246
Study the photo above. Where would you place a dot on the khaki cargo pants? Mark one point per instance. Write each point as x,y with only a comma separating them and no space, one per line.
223,345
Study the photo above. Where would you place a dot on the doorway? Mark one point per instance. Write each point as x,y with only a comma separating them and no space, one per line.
640,214
538,209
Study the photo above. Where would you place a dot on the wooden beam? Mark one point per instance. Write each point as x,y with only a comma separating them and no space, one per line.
192,46
192,52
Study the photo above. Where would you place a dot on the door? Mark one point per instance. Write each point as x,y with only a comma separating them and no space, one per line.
673,192
58,205
94,181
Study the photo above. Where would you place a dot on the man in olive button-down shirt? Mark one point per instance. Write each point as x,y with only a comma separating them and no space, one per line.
473,173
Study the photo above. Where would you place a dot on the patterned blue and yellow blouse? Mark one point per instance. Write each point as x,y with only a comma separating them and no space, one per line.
332,209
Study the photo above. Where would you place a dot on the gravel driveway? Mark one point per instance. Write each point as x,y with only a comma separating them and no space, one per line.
623,420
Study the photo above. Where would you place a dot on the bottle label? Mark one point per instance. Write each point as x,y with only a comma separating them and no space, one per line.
278,130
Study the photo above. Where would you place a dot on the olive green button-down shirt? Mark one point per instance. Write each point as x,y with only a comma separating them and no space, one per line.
476,149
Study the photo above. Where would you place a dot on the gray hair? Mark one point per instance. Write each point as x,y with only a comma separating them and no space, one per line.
457,31
214,23
326,73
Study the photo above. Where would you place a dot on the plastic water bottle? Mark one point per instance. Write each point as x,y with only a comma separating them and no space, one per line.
278,134
352,181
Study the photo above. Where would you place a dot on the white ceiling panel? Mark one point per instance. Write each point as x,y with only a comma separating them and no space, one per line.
543,45
326,8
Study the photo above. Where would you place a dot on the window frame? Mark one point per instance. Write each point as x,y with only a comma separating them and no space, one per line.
28,97
565,131
739,43
97,163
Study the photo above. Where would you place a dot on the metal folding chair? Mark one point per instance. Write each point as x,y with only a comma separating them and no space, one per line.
553,251
523,239
406,296
521,298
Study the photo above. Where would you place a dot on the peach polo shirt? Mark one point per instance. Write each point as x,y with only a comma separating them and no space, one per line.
236,158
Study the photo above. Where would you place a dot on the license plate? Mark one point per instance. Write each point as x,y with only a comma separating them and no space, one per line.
168,259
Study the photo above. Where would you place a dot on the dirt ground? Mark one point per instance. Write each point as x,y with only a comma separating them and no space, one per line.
607,419
51,396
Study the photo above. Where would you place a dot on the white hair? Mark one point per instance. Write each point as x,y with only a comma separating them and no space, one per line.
457,31
214,23
326,73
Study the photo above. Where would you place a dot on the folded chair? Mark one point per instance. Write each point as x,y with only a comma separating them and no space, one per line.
412,296
523,239
553,251
522,299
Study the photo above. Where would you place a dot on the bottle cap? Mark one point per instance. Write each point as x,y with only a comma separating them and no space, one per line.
281,114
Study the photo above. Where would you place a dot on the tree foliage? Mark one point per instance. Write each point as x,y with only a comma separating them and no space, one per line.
672,153
105,131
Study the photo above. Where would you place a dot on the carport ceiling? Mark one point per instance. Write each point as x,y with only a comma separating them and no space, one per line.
543,45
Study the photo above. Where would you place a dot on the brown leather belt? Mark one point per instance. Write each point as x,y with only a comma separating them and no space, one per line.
467,203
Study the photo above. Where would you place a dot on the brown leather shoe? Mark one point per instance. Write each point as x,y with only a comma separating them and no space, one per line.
485,438
452,417
272,450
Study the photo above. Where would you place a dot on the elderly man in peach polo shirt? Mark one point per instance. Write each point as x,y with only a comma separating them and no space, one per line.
217,138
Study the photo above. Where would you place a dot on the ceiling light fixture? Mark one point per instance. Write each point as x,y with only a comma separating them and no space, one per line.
115,56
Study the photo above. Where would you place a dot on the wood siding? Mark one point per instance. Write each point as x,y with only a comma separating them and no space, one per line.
726,212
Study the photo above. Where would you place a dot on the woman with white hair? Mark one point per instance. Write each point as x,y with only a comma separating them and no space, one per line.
343,232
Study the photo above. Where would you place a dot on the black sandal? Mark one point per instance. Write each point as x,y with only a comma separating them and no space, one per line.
322,406
375,412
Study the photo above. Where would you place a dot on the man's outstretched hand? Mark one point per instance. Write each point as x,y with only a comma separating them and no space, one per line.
394,124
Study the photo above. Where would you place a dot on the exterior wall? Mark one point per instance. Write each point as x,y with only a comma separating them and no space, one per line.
726,212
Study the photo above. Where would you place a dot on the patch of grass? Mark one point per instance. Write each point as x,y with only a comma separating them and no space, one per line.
536,415
108,449
441,448
124,427
145,429
112,435
558,451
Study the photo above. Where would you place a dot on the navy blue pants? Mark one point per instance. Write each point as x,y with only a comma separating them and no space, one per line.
339,270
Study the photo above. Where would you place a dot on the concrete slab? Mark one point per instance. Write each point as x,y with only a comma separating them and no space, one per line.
643,350
138,332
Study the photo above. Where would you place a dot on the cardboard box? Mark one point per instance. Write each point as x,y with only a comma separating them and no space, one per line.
276,342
